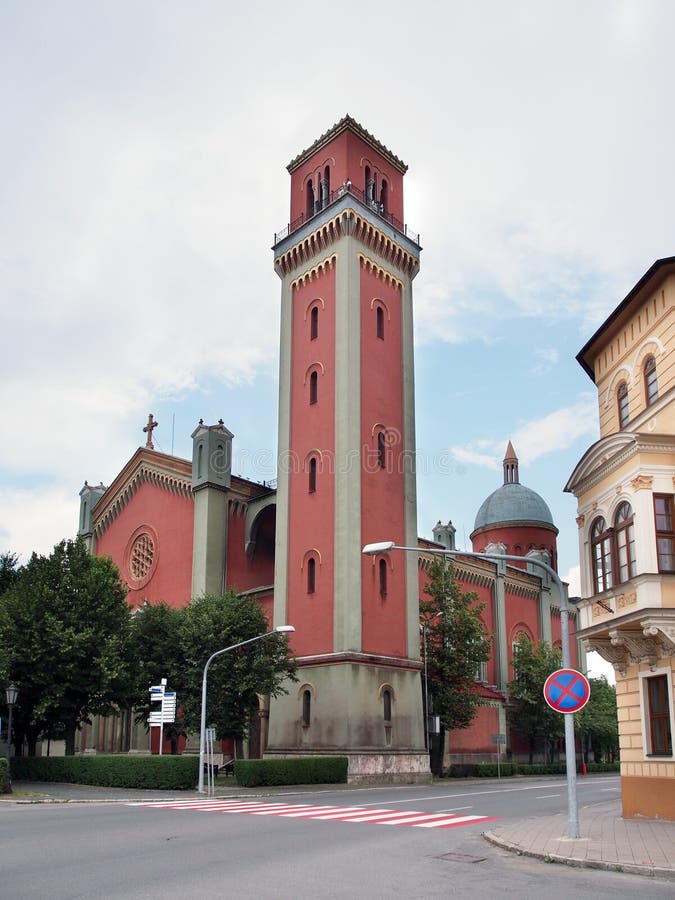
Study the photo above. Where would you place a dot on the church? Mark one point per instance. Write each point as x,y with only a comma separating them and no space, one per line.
181,528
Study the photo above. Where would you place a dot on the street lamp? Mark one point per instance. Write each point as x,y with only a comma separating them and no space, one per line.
202,729
570,751
11,693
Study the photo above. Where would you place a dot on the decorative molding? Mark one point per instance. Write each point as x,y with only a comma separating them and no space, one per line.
639,647
624,600
319,269
642,482
611,653
145,474
662,631
370,265
581,521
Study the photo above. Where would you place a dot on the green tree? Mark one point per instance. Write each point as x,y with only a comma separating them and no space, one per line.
457,643
529,714
235,679
597,723
9,570
65,625
157,651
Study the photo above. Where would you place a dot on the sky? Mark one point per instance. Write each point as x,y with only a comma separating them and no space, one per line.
143,177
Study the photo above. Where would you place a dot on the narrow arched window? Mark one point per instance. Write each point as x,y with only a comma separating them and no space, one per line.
312,475
381,450
651,386
622,401
601,556
383,578
314,323
311,575
383,197
379,313
200,455
84,516
624,537
326,182
306,708
309,209
367,184
313,387
386,706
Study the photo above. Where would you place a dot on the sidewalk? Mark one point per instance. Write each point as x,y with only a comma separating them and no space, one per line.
637,846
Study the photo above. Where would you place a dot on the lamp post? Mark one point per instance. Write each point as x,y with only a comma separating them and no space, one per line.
11,693
202,728
570,752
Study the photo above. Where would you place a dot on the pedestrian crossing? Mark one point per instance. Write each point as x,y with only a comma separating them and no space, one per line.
355,814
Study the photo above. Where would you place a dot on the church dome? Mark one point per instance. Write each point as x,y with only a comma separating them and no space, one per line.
512,502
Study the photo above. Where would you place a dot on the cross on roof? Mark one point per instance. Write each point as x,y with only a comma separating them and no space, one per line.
148,430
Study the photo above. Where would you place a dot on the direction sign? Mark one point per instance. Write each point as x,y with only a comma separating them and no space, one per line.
567,691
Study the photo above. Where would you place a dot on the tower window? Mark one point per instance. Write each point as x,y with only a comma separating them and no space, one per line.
379,313
306,708
312,475
386,706
665,535
383,578
622,400
651,386
381,450
309,209
314,323
313,387
383,197
601,550
311,575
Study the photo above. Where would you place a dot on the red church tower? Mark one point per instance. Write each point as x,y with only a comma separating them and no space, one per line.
346,461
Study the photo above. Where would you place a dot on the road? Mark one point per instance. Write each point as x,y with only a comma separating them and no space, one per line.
98,850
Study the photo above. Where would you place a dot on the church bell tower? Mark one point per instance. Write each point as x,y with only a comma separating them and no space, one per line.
346,471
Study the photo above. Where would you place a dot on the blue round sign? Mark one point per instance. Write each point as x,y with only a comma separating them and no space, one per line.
567,691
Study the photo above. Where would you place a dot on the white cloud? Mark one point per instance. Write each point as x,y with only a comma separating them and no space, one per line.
26,527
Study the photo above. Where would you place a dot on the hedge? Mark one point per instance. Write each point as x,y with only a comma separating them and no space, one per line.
294,770
506,770
5,783
156,772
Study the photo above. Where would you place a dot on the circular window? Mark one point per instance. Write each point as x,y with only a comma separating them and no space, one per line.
141,557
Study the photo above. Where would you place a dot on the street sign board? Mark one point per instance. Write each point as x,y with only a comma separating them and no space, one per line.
498,738
567,691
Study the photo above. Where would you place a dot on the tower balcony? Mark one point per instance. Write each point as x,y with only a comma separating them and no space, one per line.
338,194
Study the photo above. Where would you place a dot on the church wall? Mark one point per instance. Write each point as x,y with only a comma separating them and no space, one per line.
168,519
248,571
518,540
382,488
312,512
477,738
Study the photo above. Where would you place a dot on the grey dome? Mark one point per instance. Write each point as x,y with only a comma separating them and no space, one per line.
513,502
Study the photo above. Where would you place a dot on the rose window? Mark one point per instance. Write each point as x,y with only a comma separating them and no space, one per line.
141,557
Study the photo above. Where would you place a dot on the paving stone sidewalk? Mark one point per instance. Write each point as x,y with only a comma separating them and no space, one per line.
638,846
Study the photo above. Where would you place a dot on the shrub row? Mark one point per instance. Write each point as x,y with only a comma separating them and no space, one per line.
5,786
489,770
155,772
295,770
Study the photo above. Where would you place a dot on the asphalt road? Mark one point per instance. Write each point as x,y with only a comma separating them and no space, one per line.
97,850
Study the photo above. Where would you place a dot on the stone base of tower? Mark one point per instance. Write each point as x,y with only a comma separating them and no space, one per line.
348,714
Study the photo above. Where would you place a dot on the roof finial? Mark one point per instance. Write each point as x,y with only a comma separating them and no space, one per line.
511,466
148,430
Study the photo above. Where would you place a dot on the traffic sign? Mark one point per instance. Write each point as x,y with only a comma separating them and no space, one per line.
567,691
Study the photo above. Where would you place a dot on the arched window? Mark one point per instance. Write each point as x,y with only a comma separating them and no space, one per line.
311,575
314,323
383,578
379,313
200,456
312,475
309,209
381,450
601,556
306,708
383,197
386,706
651,386
367,187
313,387
622,401
625,542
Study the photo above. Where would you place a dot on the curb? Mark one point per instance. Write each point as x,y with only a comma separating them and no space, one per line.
577,862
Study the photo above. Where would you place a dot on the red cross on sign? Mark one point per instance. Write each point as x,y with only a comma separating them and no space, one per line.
567,691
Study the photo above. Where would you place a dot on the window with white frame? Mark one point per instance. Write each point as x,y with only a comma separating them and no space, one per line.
657,712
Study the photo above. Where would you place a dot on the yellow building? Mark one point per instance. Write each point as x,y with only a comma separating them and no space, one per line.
625,489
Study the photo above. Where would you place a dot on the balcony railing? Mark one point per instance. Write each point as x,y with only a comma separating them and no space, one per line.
333,196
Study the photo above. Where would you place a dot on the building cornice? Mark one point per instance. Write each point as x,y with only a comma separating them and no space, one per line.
610,453
347,124
642,637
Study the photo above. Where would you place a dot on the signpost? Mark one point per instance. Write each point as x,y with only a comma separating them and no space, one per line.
567,691
166,711
498,739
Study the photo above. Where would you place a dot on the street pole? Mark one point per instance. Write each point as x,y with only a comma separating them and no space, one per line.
11,694
570,752
202,727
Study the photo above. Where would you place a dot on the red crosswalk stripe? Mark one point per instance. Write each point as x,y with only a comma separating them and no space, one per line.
360,814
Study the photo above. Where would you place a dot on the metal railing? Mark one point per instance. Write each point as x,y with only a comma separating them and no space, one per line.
347,188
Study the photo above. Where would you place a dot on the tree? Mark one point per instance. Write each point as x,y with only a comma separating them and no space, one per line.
597,722
9,570
529,714
235,679
156,649
65,626
457,642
